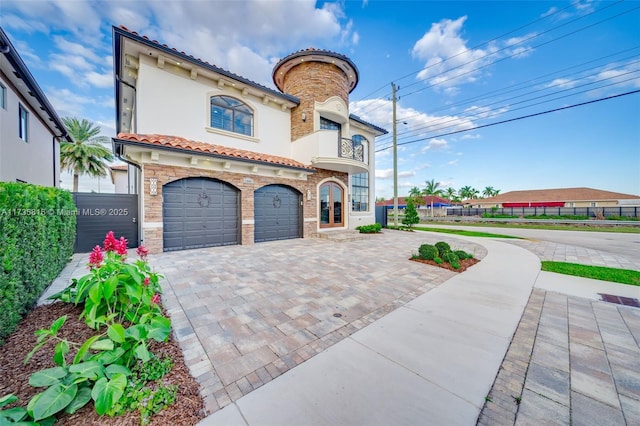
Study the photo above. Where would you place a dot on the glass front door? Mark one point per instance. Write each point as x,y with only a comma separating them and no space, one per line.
331,203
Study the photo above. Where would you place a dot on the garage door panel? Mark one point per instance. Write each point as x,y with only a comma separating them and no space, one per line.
277,213
199,212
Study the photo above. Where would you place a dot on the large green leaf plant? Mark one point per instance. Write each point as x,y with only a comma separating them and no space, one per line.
121,301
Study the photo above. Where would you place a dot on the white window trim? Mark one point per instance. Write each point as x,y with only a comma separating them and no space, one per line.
227,132
22,108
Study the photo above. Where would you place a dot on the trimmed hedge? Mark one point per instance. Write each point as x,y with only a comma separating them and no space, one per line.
374,228
37,233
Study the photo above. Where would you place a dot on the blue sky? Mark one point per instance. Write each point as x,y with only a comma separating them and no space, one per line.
459,65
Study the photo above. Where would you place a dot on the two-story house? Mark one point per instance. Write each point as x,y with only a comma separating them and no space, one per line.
224,160
30,128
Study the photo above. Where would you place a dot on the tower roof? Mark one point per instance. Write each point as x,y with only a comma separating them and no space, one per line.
315,55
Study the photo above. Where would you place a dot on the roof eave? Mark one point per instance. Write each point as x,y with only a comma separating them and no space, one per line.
25,75
118,144
119,32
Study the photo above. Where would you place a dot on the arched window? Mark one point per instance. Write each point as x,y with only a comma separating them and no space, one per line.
232,115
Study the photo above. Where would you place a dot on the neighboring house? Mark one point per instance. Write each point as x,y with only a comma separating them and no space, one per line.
224,160
427,202
120,178
563,197
30,129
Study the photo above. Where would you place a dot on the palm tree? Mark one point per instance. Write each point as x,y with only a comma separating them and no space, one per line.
86,155
431,190
488,191
415,194
451,193
468,193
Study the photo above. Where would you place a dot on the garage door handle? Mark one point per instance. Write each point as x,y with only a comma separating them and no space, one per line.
134,220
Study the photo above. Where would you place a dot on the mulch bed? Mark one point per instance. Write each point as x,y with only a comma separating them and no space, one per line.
188,409
464,264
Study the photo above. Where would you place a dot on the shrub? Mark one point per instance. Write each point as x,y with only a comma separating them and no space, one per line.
369,229
450,257
442,247
428,252
410,215
438,260
37,233
462,254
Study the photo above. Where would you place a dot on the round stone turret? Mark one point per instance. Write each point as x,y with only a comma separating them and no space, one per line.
314,75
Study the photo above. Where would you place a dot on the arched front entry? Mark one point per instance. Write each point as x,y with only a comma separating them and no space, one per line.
199,212
277,213
331,205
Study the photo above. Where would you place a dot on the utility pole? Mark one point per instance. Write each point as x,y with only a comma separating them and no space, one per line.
395,158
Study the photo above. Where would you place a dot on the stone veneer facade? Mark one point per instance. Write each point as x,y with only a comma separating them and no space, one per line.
153,230
313,82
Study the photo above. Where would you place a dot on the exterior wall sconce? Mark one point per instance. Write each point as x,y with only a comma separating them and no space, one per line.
308,194
304,116
153,186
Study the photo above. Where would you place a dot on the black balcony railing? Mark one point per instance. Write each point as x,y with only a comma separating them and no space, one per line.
351,149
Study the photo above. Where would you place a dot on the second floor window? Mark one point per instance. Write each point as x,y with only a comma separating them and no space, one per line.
23,123
326,124
231,115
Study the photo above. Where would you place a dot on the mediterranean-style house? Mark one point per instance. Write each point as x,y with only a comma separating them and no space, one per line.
562,197
224,160
30,128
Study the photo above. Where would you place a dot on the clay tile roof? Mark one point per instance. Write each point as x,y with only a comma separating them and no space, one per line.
175,142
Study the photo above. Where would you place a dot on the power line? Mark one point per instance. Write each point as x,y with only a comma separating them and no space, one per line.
513,87
475,47
517,54
528,106
440,122
509,56
515,119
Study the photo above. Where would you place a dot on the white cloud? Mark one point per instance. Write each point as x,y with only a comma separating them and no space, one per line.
384,173
72,49
449,62
434,144
562,83
452,163
470,136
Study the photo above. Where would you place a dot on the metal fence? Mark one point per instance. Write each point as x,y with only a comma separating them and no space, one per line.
621,211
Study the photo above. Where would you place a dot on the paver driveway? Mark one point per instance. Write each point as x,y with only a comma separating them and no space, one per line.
245,314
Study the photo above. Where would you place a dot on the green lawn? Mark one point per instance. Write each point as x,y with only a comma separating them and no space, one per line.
622,229
624,276
463,232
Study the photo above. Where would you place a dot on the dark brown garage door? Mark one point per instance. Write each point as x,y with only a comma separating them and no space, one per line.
199,212
277,213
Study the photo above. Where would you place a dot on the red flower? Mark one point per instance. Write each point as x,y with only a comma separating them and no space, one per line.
95,258
142,251
121,246
110,243
146,281
155,299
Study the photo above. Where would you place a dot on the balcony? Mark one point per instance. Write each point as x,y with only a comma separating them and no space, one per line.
323,149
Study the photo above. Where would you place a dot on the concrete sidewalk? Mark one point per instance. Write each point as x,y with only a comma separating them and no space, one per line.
431,361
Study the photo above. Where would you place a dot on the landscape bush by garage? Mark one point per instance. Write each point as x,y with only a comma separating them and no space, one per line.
37,232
